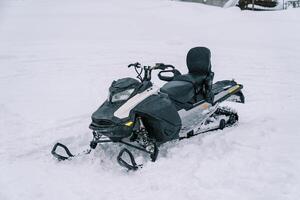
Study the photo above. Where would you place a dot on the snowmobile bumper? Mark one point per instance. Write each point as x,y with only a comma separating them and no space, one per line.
114,131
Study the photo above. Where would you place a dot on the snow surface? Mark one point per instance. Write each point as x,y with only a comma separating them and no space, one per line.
58,57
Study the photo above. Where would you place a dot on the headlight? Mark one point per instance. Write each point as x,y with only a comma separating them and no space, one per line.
122,96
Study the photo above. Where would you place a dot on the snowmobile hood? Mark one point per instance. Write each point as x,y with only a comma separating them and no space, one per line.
105,114
123,84
104,122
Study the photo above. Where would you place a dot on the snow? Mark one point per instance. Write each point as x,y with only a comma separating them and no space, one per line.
58,58
231,3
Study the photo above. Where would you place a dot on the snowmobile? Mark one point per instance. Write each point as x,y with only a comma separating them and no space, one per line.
140,115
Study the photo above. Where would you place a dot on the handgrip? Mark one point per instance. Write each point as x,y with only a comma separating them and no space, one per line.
137,65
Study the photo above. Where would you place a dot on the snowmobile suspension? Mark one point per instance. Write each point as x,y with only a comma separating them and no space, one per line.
222,111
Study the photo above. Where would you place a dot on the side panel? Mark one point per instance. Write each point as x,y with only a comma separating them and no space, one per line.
194,115
159,117
125,109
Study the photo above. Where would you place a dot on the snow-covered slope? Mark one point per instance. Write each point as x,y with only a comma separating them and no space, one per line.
58,57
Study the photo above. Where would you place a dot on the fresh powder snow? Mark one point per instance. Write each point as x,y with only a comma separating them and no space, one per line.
58,58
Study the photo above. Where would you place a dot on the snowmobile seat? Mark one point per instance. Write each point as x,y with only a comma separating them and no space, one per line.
199,66
198,82
181,91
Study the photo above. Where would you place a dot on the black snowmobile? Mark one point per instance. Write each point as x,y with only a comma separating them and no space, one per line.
143,116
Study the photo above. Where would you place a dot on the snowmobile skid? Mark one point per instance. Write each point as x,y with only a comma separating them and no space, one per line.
143,116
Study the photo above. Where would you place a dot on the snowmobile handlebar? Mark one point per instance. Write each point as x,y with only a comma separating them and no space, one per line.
160,66
136,65
148,69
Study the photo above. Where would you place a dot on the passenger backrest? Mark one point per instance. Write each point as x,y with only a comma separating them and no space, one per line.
198,61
